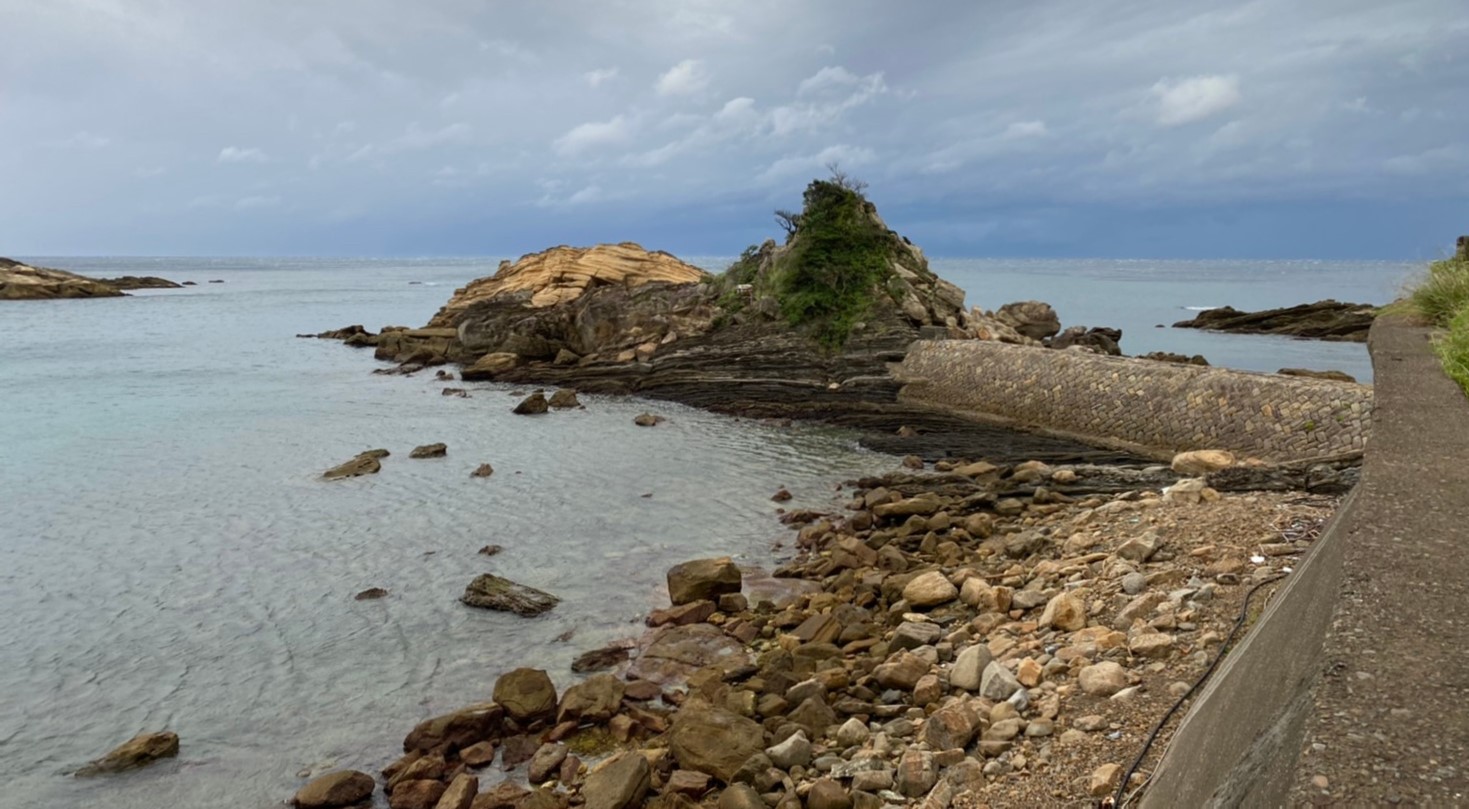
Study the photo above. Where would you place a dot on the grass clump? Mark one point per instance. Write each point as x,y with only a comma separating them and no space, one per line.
838,259
1442,298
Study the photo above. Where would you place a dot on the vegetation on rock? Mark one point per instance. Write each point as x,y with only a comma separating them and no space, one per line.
837,265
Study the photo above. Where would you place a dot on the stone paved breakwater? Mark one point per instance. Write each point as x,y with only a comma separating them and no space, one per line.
1153,407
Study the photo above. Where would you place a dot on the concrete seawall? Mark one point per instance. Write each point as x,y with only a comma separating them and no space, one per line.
1156,408
1349,690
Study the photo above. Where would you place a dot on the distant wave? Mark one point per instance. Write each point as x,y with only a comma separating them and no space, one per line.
1200,308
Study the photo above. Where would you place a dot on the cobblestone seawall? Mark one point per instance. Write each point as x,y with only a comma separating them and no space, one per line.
1142,405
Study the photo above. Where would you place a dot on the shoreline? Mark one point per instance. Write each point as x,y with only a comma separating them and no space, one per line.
791,646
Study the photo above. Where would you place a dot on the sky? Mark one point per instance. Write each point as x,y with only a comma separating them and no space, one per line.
1103,128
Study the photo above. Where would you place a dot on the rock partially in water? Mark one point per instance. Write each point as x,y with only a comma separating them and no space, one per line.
484,470
703,579
20,282
1322,320
1334,376
370,594
139,751
647,420
430,451
140,282
492,592
457,730
364,464
598,659
564,398
1099,340
489,366
526,693
335,790
1169,356
491,550
533,405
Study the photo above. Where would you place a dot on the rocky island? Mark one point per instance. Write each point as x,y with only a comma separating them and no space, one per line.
1322,320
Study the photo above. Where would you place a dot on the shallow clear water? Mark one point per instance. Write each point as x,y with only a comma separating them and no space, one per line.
170,559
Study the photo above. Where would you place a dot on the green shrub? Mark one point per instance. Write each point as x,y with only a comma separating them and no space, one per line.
1453,348
1444,293
838,258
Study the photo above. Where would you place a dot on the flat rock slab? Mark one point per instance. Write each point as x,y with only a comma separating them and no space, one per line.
673,653
492,592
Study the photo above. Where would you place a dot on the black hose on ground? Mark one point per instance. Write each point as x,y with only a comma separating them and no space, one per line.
1244,611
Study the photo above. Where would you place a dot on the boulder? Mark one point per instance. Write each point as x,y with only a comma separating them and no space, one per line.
1103,679
594,699
1099,340
968,669
489,366
546,761
620,782
1065,612
563,399
484,470
335,789
363,464
139,751
23,282
1196,463
675,652
930,590
370,594
429,451
713,741
492,592
533,405
997,682
526,694
703,579
421,793
828,794
456,730
647,420
460,794
1033,319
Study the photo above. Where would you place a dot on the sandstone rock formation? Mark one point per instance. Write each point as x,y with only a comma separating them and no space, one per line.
140,282
1322,320
562,274
23,282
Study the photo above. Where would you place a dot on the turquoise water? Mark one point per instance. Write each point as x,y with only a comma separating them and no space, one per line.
170,559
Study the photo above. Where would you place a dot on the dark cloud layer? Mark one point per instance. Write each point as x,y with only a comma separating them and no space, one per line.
1327,128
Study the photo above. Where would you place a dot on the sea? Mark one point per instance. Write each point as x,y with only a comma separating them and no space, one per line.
171,559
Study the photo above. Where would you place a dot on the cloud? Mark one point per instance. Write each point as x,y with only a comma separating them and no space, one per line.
823,98
235,154
84,140
600,76
685,78
593,134
1194,99
591,193
416,137
1026,129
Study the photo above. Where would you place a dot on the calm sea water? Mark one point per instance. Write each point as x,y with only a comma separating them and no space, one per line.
170,559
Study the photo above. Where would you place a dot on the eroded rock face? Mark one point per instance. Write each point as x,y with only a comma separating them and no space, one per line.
19,282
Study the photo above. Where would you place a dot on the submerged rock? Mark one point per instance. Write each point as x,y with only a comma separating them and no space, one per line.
430,451
492,592
139,751
364,464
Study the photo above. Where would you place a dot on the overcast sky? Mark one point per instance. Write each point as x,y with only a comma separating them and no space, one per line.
1297,128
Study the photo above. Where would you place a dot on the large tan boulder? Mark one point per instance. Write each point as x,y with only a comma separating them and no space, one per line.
563,273
618,783
1202,461
714,741
526,693
703,579
1033,319
19,282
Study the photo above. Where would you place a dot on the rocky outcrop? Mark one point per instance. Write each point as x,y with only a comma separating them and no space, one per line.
1322,320
20,282
563,274
1033,319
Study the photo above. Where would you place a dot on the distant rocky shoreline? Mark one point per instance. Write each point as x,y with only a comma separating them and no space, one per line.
23,282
